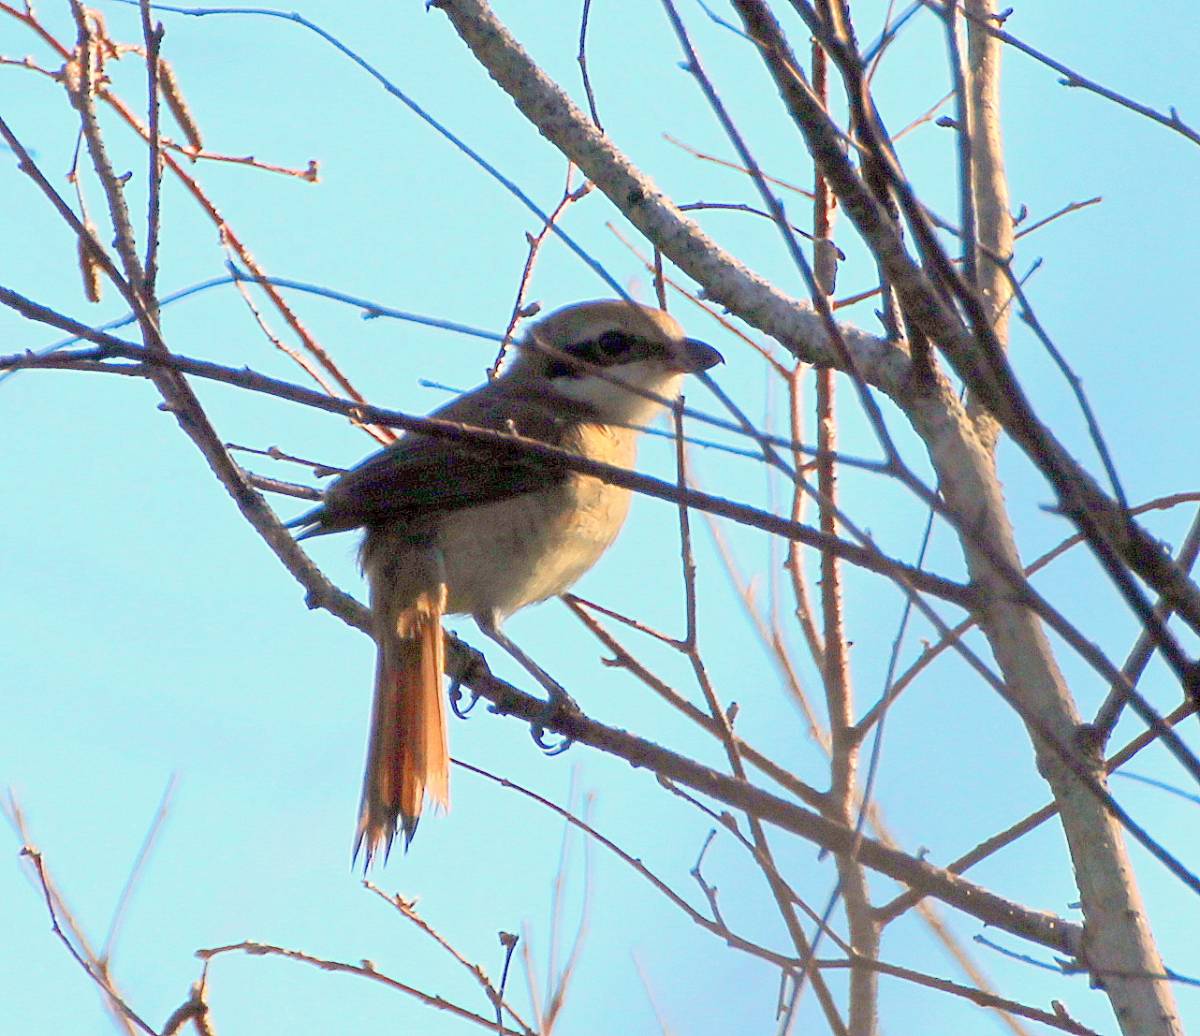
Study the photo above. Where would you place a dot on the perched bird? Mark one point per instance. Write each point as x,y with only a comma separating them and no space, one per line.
457,528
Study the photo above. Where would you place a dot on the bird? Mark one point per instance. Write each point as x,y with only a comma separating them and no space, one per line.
455,527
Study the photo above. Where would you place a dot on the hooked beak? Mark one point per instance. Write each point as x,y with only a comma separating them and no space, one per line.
698,356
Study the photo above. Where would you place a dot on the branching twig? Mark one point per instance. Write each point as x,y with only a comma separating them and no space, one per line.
366,970
408,910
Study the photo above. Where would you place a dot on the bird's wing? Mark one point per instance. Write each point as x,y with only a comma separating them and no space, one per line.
421,475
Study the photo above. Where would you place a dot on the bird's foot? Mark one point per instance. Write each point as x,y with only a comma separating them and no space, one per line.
558,704
456,696
551,748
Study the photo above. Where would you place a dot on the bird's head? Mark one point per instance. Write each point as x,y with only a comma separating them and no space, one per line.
611,356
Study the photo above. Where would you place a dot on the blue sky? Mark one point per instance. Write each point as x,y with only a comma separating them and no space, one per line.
149,633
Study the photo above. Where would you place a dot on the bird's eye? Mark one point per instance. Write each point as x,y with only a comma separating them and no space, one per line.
614,344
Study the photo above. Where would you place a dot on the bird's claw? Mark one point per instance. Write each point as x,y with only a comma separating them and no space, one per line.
456,695
538,733
557,704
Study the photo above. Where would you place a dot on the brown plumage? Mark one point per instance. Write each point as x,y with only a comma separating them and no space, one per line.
408,757
453,528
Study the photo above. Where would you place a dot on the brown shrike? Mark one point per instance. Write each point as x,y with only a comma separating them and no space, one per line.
453,528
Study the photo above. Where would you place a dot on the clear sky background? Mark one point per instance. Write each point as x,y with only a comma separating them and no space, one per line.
147,632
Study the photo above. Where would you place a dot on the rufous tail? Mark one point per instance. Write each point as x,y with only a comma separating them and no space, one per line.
407,755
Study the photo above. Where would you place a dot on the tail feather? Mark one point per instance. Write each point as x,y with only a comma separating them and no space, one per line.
408,759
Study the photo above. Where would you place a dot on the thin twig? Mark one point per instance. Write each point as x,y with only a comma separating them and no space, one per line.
624,659
803,192
722,718
728,206
153,36
57,910
709,924
1071,78
1022,827
136,871
1074,206
408,910
581,57
535,242
366,970
1056,1020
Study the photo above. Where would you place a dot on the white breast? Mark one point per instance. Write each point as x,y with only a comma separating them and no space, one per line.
503,556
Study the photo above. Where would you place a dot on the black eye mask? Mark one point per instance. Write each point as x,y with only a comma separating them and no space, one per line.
606,350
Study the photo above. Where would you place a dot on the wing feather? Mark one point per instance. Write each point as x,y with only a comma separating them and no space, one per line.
422,475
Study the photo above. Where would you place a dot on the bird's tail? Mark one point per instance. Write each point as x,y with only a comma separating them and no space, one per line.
407,755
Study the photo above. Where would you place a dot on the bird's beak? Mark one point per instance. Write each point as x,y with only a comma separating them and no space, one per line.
698,356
